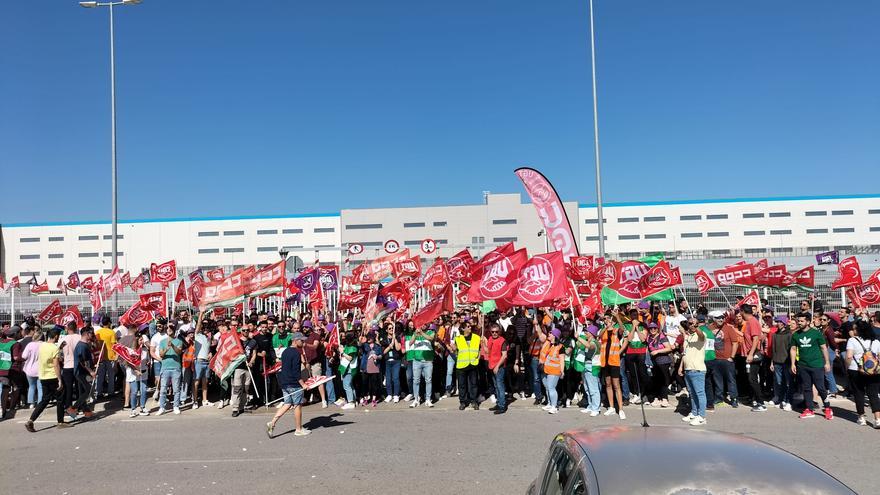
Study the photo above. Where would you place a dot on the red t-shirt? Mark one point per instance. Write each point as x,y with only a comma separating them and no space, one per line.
752,332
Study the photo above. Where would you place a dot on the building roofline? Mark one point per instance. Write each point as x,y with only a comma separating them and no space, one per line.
731,200
182,219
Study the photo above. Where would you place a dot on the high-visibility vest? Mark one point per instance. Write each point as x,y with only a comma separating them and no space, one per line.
610,348
468,351
551,358
535,347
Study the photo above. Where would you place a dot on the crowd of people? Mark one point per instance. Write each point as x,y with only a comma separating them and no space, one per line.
662,355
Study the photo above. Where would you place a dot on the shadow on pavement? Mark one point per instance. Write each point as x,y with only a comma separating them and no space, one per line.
320,422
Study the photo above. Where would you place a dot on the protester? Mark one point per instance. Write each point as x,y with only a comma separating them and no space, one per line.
391,355
693,368
292,384
31,354
202,359
552,362
466,347
780,363
170,352
586,361
421,353
105,381
612,344
371,356
862,352
348,368
809,361
50,377
497,358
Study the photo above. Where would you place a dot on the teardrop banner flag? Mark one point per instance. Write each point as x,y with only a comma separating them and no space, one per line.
551,211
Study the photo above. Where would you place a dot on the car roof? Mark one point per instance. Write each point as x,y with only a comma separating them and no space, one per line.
676,460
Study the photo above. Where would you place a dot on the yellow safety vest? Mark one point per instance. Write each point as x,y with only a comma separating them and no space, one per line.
468,352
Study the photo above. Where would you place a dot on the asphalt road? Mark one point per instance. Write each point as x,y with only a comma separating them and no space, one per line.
387,449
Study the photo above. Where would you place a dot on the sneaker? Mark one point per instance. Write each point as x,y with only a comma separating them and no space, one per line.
568,403
610,412
476,406
877,424
553,410
176,410
427,403
622,415
734,404
593,414
408,398
698,421
786,406
302,432
500,410
195,405
207,404
323,404
144,412
374,402
636,400
396,400
29,426
547,407
462,407
829,414
759,408
492,398
278,406
133,413
161,412
807,414
861,421
32,406
585,410
71,413
414,403
348,405
63,425
664,403
340,402
688,418
387,398
444,396
655,403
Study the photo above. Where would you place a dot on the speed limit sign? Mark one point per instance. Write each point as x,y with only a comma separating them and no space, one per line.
391,246
429,246
355,248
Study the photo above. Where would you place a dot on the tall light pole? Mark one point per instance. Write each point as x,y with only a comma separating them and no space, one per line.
600,218
113,227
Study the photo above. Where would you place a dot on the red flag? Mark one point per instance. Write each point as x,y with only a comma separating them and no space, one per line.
61,286
219,312
361,274
195,293
436,276
128,355
316,298
550,209
434,308
850,274
866,294
478,267
739,274
659,278
138,283
196,276
96,299
14,283
40,288
125,279
156,302
874,276
164,273
460,265
136,315
215,275
761,265
581,267
627,275
87,284
181,292
238,309
332,341
353,300
229,351
498,275
805,277
113,283
407,267
380,268
704,282
540,280
752,299
772,276
51,312
2,282
72,314
591,305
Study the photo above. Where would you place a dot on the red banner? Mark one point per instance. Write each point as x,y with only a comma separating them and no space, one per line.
627,275
407,268
125,279
72,314
866,294
741,273
40,288
73,281
130,356
138,283
772,276
136,315
704,282
849,273
551,211
580,268
51,312
498,277
436,307
156,302
752,299
541,280
164,273
460,265
229,353
181,295
267,280
215,275
353,300
436,276
380,268
659,278
96,299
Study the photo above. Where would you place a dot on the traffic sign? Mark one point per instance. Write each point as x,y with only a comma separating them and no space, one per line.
429,246
355,248
392,246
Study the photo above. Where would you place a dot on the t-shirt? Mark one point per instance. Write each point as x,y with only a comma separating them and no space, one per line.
672,327
82,356
858,346
808,344
636,345
710,342
312,352
69,342
348,364
48,353
203,346
156,340
752,333
171,361
731,337
31,356
291,365
108,337
281,342
694,353
420,349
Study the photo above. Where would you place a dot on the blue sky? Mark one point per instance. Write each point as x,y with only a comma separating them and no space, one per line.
283,107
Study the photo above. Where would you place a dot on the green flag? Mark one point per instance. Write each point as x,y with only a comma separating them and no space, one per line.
488,306
612,297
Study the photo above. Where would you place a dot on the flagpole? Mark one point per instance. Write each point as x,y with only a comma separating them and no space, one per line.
12,305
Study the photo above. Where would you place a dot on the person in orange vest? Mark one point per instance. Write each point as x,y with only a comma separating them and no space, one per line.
611,345
551,358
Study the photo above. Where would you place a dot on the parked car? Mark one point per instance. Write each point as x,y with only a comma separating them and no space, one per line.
673,460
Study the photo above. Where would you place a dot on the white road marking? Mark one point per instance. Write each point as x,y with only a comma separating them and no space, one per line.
235,459
145,420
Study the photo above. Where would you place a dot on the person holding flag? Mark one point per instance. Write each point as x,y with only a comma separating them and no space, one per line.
292,385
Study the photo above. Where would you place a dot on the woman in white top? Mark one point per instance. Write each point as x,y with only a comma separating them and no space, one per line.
863,341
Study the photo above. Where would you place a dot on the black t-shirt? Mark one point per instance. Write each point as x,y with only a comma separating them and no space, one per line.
82,357
264,343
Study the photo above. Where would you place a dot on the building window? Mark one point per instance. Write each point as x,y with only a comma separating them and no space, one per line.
441,241
718,234
691,217
753,215
233,250
630,255
596,238
844,230
817,231
267,232
478,240
292,231
56,272
782,250
838,213
874,229
29,274
691,235
324,246
108,254
209,234
780,214
655,236
780,232
413,225
88,238
756,250
55,256
290,248
412,243
372,244
88,255
818,249
29,257
816,213
56,239
88,272
504,221
627,219
717,216
109,237
439,224
592,221
628,237
29,239
655,219
233,232
267,249
209,251
504,239
873,212
754,232
363,226
843,248
324,230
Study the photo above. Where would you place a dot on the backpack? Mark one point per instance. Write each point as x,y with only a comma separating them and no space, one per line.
870,364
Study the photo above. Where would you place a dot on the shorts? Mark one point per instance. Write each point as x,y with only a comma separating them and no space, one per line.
612,371
312,370
293,396
157,368
201,369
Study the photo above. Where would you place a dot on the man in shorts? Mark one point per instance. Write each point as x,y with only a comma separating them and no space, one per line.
292,383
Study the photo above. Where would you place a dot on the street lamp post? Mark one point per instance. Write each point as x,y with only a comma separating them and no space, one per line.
600,218
113,228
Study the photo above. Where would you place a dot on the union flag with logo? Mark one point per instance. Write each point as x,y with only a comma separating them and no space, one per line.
541,280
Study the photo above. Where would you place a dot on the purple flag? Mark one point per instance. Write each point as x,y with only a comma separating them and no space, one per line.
329,278
307,280
829,258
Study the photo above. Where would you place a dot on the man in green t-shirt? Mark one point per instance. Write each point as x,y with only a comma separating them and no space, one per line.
809,361
713,377
420,352
170,350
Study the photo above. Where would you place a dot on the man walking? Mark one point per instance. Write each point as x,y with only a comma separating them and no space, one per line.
292,384
809,361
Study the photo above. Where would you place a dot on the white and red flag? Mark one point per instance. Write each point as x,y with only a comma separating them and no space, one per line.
163,273
130,356
740,273
551,211
40,288
88,284
498,274
660,277
849,273
704,282
460,266
136,315
51,312
215,275
156,302
541,280
73,281
752,299
72,314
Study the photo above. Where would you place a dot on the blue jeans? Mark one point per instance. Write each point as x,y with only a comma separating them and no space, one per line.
136,387
35,388
830,382
782,383
346,384
392,378
727,372
173,377
329,389
624,383
106,374
409,377
696,384
550,382
422,369
537,379
500,397
450,369
591,386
